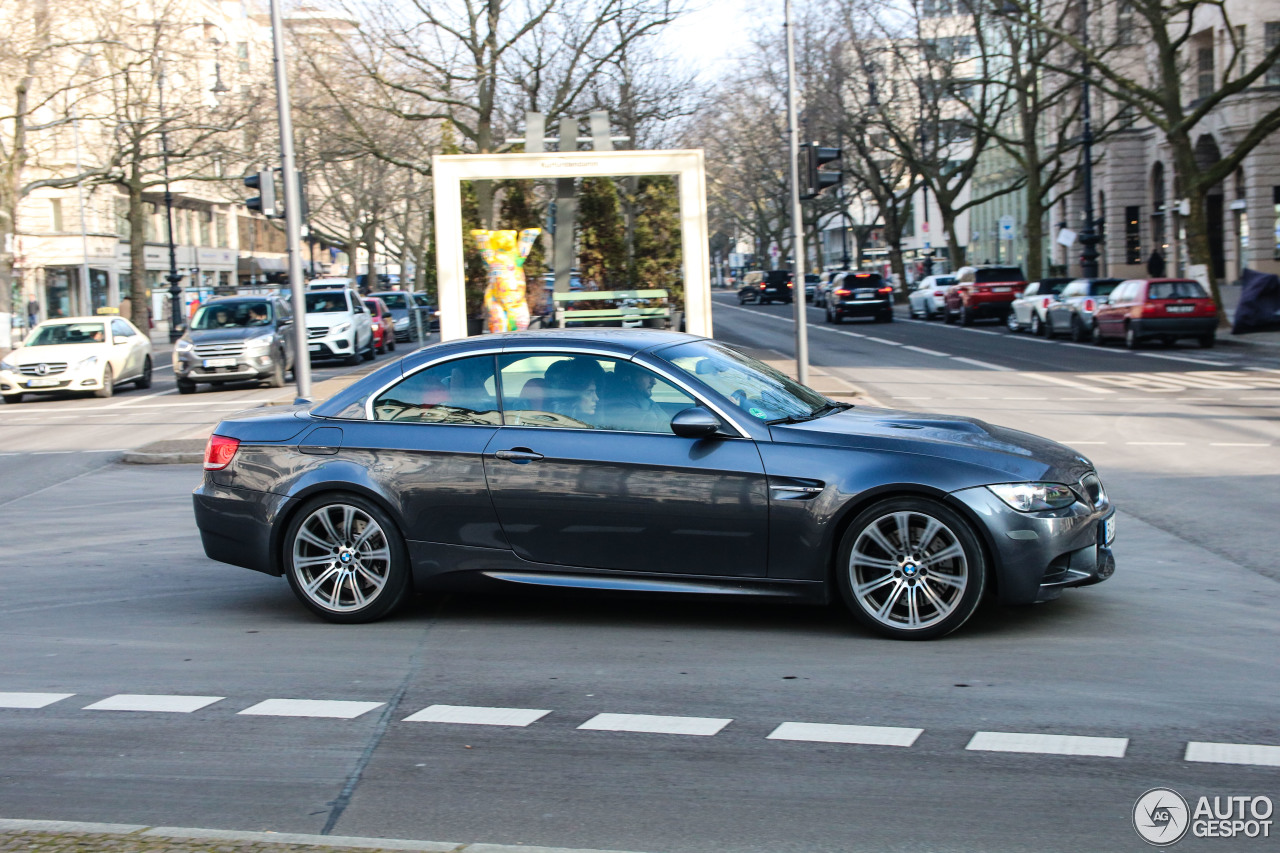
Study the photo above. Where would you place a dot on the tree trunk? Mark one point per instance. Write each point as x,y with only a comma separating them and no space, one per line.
371,246
955,252
139,297
1198,249
1035,227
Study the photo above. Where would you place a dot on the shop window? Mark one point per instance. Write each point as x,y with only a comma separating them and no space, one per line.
1132,236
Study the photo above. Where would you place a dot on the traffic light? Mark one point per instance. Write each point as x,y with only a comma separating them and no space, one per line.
813,178
265,201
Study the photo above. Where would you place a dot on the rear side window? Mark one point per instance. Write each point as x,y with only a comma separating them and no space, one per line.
984,276
1176,290
862,279
463,391
1076,289
1105,287
778,277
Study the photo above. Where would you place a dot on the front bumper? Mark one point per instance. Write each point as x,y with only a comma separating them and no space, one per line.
1038,554
71,380
246,368
338,346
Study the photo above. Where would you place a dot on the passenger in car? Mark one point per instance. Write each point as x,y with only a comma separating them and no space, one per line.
626,403
573,388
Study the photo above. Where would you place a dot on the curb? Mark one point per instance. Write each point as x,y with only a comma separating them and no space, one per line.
271,840
169,452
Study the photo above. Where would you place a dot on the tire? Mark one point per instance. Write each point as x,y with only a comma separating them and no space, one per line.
13,398
827,315
880,576
108,384
966,319
948,317
186,386
1049,331
928,312
1098,339
276,379
1078,334
367,570
1037,328
380,350
1011,322
887,317
1130,338
143,382
741,301
391,344
370,353
1207,341
353,359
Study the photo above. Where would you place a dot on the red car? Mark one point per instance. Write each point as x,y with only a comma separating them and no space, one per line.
384,328
1163,309
983,293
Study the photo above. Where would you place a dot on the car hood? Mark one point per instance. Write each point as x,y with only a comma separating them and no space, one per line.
323,320
235,333
1007,453
69,353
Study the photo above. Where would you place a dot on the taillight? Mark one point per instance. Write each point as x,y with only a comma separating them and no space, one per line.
1089,305
886,290
1151,309
939,293
219,452
763,286
1045,303
843,292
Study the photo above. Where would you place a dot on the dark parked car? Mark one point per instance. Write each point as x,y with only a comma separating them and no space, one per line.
400,303
236,339
983,293
649,461
1072,312
763,286
1163,309
860,294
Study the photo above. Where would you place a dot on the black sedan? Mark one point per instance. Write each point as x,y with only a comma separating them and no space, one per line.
646,461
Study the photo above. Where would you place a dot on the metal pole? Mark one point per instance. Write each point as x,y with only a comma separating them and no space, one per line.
797,222
1088,237
84,231
175,289
292,209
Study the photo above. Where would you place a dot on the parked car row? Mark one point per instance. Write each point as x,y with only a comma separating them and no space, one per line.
1085,309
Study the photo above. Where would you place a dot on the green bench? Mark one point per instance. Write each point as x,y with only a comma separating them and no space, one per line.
627,308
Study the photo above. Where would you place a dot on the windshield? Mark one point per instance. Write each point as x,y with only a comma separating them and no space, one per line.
327,302
232,315
68,333
395,301
755,387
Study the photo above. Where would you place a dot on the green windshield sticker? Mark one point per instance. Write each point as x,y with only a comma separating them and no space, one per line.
757,413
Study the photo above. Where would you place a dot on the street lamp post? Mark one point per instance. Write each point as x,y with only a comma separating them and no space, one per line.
797,222
1089,238
174,277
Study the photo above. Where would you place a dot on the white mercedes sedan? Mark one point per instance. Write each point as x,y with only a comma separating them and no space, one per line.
93,354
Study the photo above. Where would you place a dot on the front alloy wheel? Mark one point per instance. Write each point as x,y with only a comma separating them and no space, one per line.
911,569
345,560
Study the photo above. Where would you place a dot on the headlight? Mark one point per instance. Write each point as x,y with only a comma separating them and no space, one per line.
1034,497
87,362
402,322
4,365
183,345
339,329
260,342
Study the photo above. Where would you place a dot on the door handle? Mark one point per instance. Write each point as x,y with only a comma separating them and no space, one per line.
519,455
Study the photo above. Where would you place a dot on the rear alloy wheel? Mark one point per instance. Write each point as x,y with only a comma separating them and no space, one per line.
966,319
1011,322
1037,328
911,569
1078,333
143,382
344,559
108,384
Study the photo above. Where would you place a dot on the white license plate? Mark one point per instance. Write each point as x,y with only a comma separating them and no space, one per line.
314,348
44,383
1001,289
1109,530
219,362
1180,309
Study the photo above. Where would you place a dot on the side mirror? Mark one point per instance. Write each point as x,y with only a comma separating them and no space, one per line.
1104,300
695,422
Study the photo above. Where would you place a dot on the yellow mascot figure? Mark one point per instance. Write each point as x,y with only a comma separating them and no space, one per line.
504,298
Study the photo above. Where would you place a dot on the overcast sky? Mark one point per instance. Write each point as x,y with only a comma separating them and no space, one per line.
714,34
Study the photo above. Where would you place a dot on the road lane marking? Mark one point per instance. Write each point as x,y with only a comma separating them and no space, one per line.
1056,380
883,341
830,733
31,700
168,704
1101,747
927,351
1156,443
311,708
1261,755
1182,358
983,364
651,724
980,331
476,716
1238,444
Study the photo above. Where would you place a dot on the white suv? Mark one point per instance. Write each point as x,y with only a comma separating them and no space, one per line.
338,326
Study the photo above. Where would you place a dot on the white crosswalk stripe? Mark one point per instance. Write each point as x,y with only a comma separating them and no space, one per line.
1102,747
1233,753
150,702
477,716
311,708
651,724
31,700
831,733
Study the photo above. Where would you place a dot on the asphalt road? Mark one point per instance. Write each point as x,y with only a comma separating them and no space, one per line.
108,598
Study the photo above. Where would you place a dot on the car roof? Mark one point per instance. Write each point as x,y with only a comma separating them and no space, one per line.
89,318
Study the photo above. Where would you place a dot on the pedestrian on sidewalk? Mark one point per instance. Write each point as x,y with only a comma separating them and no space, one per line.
1155,264
33,313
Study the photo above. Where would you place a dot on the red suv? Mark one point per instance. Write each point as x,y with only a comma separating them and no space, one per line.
1164,309
983,293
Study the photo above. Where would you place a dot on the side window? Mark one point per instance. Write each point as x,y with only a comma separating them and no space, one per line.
120,329
357,306
1075,289
454,392
587,392
1032,289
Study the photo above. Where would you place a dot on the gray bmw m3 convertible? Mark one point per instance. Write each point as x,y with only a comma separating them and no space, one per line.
645,461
